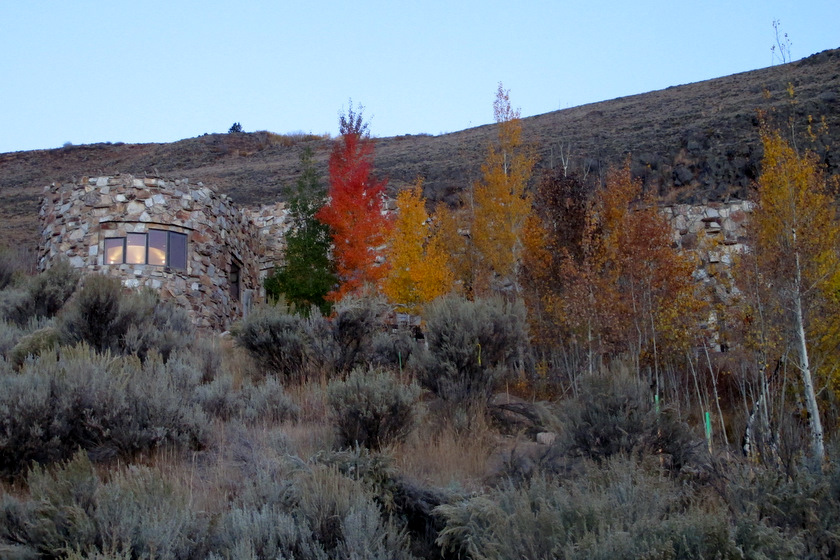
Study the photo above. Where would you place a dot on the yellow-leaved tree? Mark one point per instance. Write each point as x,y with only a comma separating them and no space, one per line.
501,203
419,264
796,239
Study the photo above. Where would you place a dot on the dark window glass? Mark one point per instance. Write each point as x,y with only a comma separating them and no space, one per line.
234,281
177,250
114,250
157,247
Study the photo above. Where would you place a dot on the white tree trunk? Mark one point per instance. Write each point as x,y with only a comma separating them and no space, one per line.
805,369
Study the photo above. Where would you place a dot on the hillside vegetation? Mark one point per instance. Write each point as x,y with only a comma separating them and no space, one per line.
531,371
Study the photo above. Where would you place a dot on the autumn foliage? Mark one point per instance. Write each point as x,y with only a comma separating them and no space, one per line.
501,202
419,268
791,277
354,209
602,272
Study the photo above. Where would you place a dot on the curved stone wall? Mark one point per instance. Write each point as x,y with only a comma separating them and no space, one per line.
219,275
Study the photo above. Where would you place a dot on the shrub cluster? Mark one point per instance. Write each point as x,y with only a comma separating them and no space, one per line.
106,317
111,406
44,295
622,509
372,408
297,348
471,346
254,401
279,340
615,414
138,513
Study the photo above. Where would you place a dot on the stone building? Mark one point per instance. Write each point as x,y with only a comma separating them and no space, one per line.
184,240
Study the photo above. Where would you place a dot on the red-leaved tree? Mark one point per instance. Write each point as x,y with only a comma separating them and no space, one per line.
354,209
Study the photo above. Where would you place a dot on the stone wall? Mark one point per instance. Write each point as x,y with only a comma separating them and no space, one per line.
77,217
271,222
714,233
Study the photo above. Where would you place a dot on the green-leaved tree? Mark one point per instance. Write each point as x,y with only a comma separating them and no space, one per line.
307,272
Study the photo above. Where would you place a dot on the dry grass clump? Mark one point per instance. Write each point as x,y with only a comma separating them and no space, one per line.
450,454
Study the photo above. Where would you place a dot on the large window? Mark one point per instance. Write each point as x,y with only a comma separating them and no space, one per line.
157,247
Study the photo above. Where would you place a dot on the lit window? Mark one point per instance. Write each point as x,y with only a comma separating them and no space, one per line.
158,247
135,248
114,250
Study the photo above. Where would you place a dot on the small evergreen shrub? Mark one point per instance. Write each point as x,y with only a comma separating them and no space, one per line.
44,295
136,514
325,516
372,408
15,305
344,519
50,290
141,511
107,317
152,324
622,509
33,345
804,503
10,335
392,349
253,402
471,346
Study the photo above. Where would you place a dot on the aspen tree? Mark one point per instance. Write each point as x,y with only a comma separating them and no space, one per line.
501,201
419,268
797,238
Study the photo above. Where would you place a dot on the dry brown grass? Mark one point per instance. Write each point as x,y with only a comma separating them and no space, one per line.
446,455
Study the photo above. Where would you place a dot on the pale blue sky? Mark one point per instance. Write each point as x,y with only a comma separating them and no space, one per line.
158,71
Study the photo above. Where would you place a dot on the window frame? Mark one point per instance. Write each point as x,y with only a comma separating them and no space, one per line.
182,238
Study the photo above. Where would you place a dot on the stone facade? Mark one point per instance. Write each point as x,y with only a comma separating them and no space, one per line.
271,222
230,251
715,233
216,277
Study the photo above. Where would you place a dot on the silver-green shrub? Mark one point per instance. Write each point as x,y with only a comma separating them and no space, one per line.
624,509
275,337
135,514
42,296
471,346
615,414
253,402
372,408
112,406
106,316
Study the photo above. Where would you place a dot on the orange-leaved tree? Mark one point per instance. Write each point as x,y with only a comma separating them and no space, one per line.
354,209
611,281
419,269
658,301
796,238
501,202
553,235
